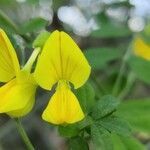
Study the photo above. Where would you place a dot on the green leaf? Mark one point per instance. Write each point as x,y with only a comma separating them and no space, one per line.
86,97
32,2
141,68
120,4
115,125
85,123
7,2
126,143
117,142
7,24
41,39
58,3
33,25
111,30
100,57
137,113
100,137
132,143
105,106
78,143
69,130
145,35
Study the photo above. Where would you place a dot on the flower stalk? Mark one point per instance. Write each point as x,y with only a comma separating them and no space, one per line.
32,58
121,72
23,134
128,86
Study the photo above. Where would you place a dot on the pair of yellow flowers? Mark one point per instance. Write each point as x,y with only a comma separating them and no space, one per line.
60,62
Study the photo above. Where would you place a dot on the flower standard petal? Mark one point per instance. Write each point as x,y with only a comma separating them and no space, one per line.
9,65
63,107
61,59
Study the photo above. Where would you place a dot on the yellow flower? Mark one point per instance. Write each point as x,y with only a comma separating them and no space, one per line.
62,62
141,48
18,92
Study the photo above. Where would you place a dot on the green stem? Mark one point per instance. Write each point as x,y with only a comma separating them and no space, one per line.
98,84
14,26
9,21
24,135
129,83
118,80
120,74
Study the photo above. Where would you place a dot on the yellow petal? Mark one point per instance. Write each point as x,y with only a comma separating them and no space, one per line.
141,48
9,65
16,95
63,107
61,59
23,111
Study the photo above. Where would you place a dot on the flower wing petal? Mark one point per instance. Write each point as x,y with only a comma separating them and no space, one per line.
23,111
15,96
9,65
63,108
